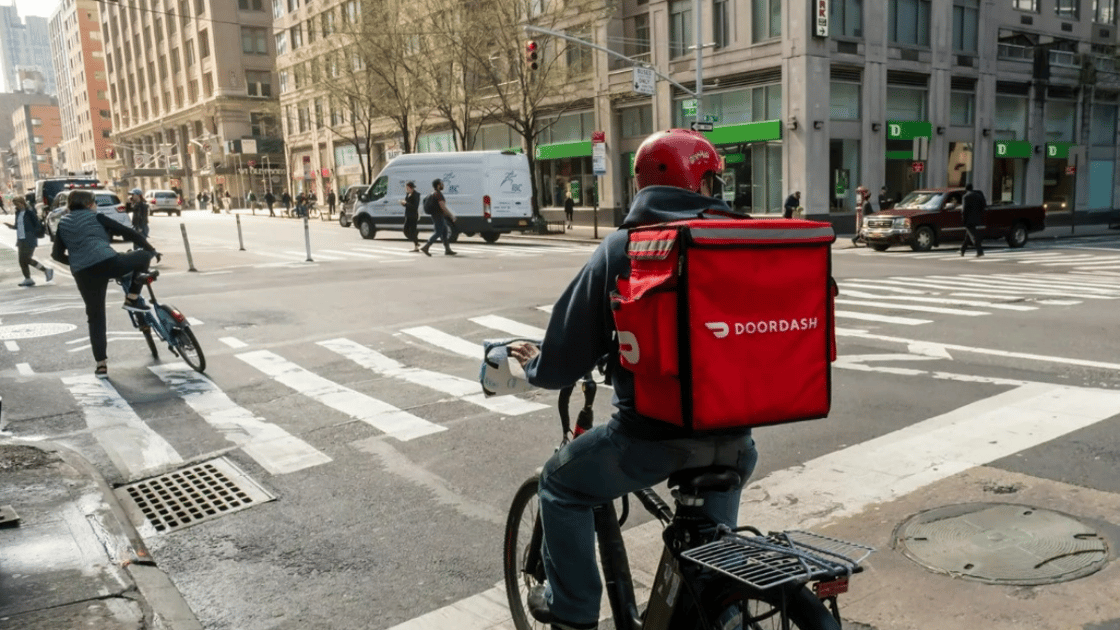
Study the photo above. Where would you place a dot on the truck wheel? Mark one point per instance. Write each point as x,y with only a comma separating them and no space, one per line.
879,247
490,237
923,239
367,229
1017,237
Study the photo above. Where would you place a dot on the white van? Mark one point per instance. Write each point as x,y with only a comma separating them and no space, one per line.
490,192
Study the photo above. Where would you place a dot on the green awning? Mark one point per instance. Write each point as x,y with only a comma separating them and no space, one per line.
908,129
564,150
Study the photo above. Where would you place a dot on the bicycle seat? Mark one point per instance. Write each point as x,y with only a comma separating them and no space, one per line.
693,481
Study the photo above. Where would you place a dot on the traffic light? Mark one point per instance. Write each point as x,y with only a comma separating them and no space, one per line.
532,50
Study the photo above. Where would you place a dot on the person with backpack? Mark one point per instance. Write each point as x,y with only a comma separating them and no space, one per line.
677,174
436,206
29,229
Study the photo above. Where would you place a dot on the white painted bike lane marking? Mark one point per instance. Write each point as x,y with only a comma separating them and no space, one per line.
276,450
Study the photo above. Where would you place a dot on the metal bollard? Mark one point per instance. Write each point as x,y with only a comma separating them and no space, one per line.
307,237
240,240
187,246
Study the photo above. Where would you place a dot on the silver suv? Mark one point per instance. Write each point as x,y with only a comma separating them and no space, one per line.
108,203
163,201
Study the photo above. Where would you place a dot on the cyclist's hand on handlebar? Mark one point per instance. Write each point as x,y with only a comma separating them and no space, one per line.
524,352
159,256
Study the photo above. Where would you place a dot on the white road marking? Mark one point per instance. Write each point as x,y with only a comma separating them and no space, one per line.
11,346
233,342
350,253
314,254
24,369
506,325
443,340
276,450
547,308
846,482
911,307
381,415
133,447
937,300
389,252
1064,285
462,388
886,319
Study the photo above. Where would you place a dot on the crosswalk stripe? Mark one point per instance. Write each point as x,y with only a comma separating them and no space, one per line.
939,300
1044,301
385,251
443,340
276,450
133,447
912,307
869,284
314,255
1073,280
506,325
351,253
926,282
1006,288
886,319
462,388
1024,283
395,422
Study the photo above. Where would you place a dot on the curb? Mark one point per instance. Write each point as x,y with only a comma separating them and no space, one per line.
162,601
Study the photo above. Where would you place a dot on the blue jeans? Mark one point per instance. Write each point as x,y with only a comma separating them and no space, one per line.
600,466
439,231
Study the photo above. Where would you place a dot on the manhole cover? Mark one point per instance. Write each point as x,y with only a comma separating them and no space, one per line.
1000,543
189,496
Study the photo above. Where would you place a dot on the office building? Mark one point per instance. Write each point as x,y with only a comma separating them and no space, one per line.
83,88
25,53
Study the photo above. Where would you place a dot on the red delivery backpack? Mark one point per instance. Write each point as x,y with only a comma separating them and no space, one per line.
728,324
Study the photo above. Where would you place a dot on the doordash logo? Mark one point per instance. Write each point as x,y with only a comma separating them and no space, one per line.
724,329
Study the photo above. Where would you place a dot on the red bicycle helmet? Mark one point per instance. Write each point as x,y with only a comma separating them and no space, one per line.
677,157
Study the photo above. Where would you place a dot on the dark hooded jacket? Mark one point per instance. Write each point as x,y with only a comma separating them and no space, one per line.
581,329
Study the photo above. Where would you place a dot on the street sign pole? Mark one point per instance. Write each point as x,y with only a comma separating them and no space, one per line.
699,62
1073,198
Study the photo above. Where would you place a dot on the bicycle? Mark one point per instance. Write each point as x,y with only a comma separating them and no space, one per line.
710,576
167,322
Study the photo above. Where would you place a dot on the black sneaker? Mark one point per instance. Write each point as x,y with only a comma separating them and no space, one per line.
450,253
102,371
136,306
538,608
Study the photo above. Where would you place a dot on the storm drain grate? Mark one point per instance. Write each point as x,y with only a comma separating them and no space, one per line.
189,496
1001,543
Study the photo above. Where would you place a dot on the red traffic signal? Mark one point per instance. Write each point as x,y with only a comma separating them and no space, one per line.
532,50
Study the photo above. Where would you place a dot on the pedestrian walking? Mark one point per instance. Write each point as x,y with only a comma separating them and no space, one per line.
301,205
228,202
286,199
793,202
436,206
251,201
270,199
569,208
139,211
331,200
863,208
29,229
83,242
411,203
973,207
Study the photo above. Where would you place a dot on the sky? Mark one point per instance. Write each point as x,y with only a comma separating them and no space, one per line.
41,8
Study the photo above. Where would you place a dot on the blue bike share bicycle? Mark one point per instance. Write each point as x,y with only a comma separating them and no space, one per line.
710,576
166,322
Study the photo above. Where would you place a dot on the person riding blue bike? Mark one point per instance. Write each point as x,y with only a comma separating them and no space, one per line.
677,172
83,242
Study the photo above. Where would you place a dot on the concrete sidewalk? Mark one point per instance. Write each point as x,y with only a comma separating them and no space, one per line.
71,558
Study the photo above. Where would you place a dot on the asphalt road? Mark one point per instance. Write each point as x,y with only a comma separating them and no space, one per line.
378,524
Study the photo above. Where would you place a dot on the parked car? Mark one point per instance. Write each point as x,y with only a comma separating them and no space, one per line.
927,218
164,201
347,202
108,203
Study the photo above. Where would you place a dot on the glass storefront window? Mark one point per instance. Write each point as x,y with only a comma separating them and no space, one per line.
844,174
844,101
752,177
1011,117
1101,175
1007,180
1061,119
497,138
739,106
1103,131
960,163
906,103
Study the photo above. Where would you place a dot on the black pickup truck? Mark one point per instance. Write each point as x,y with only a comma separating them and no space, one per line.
927,218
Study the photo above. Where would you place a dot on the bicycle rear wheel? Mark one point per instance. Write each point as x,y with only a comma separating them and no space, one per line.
147,330
762,610
522,549
186,344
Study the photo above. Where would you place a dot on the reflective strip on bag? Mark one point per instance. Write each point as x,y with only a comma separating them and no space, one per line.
657,249
814,234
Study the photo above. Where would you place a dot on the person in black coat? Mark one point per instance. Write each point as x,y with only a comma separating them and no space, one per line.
793,202
411,203
974,205
569,208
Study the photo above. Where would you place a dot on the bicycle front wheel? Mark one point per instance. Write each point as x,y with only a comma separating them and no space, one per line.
186,344
521,558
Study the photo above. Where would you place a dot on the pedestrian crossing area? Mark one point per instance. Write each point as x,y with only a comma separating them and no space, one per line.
914,301
1081,258
420,382
399,253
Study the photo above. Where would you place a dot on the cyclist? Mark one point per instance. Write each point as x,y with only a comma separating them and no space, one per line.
677,174
82,241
